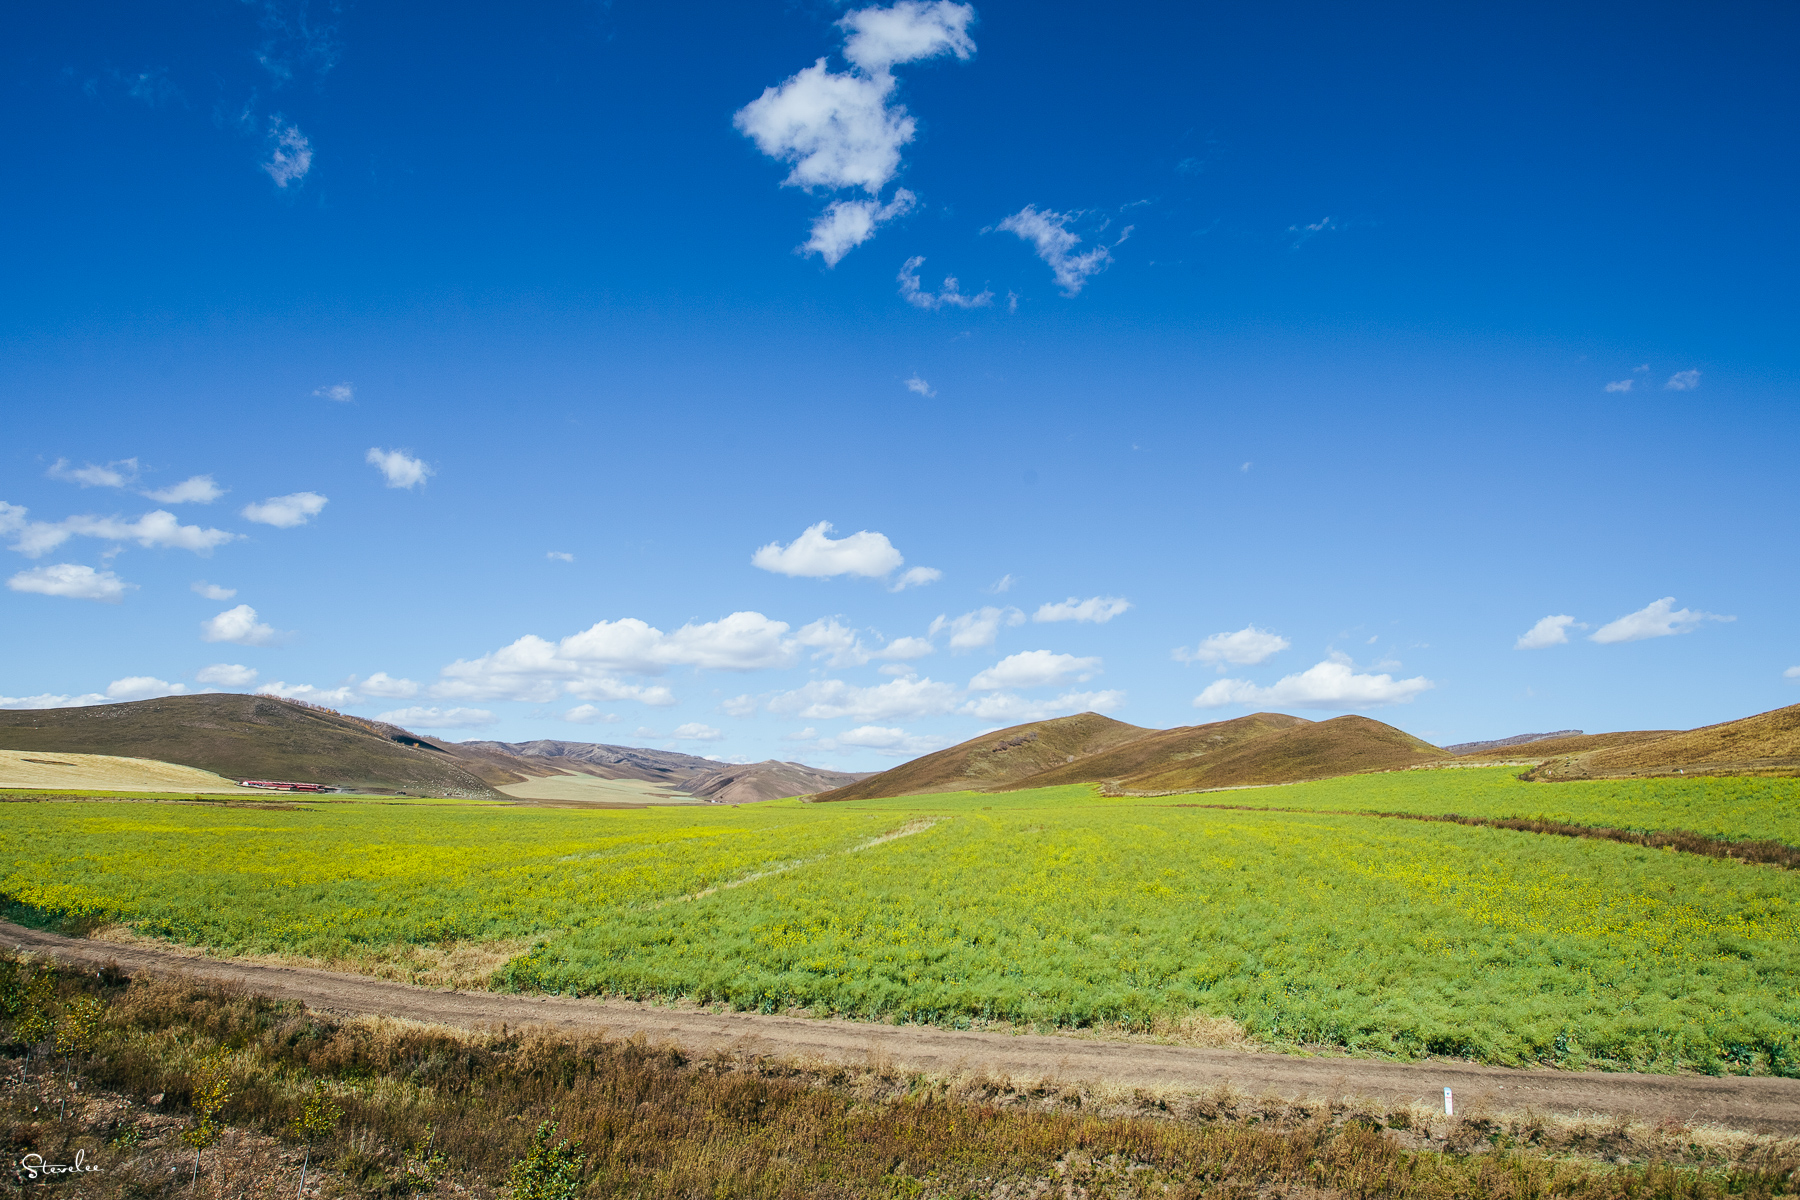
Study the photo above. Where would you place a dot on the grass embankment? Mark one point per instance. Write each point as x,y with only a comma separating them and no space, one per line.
1054,908
412,1110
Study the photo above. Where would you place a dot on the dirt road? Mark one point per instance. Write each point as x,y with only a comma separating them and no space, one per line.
1761,1105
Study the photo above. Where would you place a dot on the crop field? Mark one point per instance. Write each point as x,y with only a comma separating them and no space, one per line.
1052,908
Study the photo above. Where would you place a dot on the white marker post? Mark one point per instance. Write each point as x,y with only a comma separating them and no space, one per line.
1449,1104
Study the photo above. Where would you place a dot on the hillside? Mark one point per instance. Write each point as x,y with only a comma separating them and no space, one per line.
667,767
1518,739
248,737
1577,744
1158,751
1314,750
706,778
769,780
1765,744
995,759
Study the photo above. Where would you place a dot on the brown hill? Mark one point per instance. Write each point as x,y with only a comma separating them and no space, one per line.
249,737
667,767
996,759
1579,744
1161,750
769,780
1765,744
1313,750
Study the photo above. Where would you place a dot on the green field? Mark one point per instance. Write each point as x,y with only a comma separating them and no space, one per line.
1054,907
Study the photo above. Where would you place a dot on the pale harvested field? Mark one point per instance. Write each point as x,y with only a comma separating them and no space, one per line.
97,772
589,789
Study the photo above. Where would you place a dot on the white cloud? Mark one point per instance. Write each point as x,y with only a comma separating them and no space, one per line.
829,699
1332,684
847,224
113,474
1791,673
916,577
307,692
1008,708
1047,232
49,700
211,591
694,731
948,296
1619,385
1099,609
890,741
1683,381
1245,648
560,556
290,153
285,512
238,625
400,469
815,556
72,581
233,675
836,643
1306,233
739,706
805,735
1659,619
1551,631
909,31
142,687
973,630
440,718
538,671
920,387
587,714
1002,584
153,529
386,687
1034,668
336,391
906,648
197,489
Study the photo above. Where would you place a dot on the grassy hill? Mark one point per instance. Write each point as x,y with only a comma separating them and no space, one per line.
1765,744
1578,744
996,759
1310,750
248,737
1160,751
770,780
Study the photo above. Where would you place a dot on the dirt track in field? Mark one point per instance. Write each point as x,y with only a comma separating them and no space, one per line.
1761,1105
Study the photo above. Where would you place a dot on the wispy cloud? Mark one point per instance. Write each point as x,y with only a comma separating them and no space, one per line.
847,224
1048,233
439,718
560,556
920,386
399,468
341,392
1683,381
916,577
1551,631
286,512
1619,385
1658,619
198,489
114,474
290,153
1306,233
1096,609
211,591
948,296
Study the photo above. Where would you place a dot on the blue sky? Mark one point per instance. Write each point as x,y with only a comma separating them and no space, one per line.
502,367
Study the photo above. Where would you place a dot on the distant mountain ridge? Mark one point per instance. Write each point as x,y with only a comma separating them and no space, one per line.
1518,739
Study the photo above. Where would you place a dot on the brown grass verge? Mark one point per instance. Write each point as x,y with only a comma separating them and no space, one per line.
653,1122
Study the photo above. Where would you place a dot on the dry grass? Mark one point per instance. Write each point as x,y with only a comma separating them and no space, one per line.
463,965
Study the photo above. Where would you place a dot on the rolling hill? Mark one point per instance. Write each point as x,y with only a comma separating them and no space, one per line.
1574,744
249,737
996,759
1308,750
1765,744
1159,750
770,780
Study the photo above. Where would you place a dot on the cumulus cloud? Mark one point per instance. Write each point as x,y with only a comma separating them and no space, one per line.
1097,609
560,556
71,581
400,469
312,695
51,700
536,670
1332,684
384,686
892,742
1245,648
829,699
916,577
142,687
920,387
290,153
973,630
948,296
340,392
239,626
211,591
1034,668
694,731
232,675
587,714
1048,233
113,474
813,555
439,718
739,706
285,512
1683,381
1658,619
1009,708
1619,385
153,529
840,130
1551,631
197,489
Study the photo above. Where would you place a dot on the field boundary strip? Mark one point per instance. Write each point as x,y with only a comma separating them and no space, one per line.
1758,853
911,827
